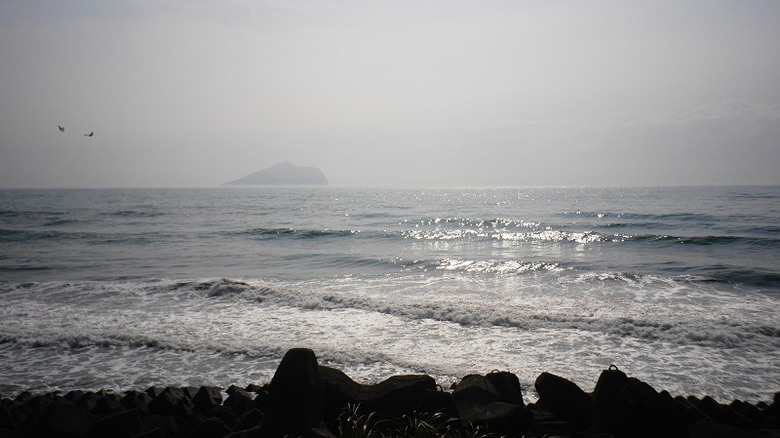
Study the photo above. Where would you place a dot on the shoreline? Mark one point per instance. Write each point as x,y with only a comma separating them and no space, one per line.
305,398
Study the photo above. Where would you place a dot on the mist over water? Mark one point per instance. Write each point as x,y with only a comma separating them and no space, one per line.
129,288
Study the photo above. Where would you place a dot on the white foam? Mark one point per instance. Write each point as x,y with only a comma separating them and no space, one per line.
686,337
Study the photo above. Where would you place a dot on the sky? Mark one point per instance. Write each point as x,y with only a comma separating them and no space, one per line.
196,93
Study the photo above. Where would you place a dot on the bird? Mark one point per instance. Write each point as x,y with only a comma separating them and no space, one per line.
62,129
90,134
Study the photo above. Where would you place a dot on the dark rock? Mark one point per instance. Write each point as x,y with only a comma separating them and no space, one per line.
564,399
710,429
151,433
136,400
508,387
249,419
154,391
12,433
708,406
191,425
233,388
434,401
212,427
226,415
66,418
644,413
190,391
206,398
479,403
253,387
7,420
171,401
748,410
296,395
120,425
239,401
165,423
394,397
472,395
728,415
607,399
107,403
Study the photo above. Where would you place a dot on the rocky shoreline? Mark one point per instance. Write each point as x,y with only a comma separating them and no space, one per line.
309,400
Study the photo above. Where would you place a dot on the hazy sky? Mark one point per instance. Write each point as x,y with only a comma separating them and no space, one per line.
402,93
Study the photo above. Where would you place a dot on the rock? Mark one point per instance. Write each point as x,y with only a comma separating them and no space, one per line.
165,423
206,398
249,419
393,397
480,403
564,399
122,424
434,401
710,429
607,399
508,387
645,414
65,418
136,400
297,395
472,395
239,401
171,401
211,427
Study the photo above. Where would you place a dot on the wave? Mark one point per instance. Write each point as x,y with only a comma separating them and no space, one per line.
485,313
294,233
134,213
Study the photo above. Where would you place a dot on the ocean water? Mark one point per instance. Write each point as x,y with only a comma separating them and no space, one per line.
124,289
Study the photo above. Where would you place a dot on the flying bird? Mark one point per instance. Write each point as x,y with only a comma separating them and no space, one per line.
90,134
62,129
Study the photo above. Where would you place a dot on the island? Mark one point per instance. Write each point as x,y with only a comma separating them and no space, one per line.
286,173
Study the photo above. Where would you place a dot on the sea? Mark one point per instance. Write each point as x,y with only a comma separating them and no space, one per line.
124,289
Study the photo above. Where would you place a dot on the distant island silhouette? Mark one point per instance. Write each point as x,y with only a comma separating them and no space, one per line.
285,173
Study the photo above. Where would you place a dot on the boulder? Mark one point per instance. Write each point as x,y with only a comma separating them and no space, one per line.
480,403
66,419
644,413
206,398
607,399
120,425
297,396
508,387
564,399
394,397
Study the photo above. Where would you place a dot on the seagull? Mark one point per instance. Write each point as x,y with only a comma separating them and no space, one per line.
61,128
90,134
